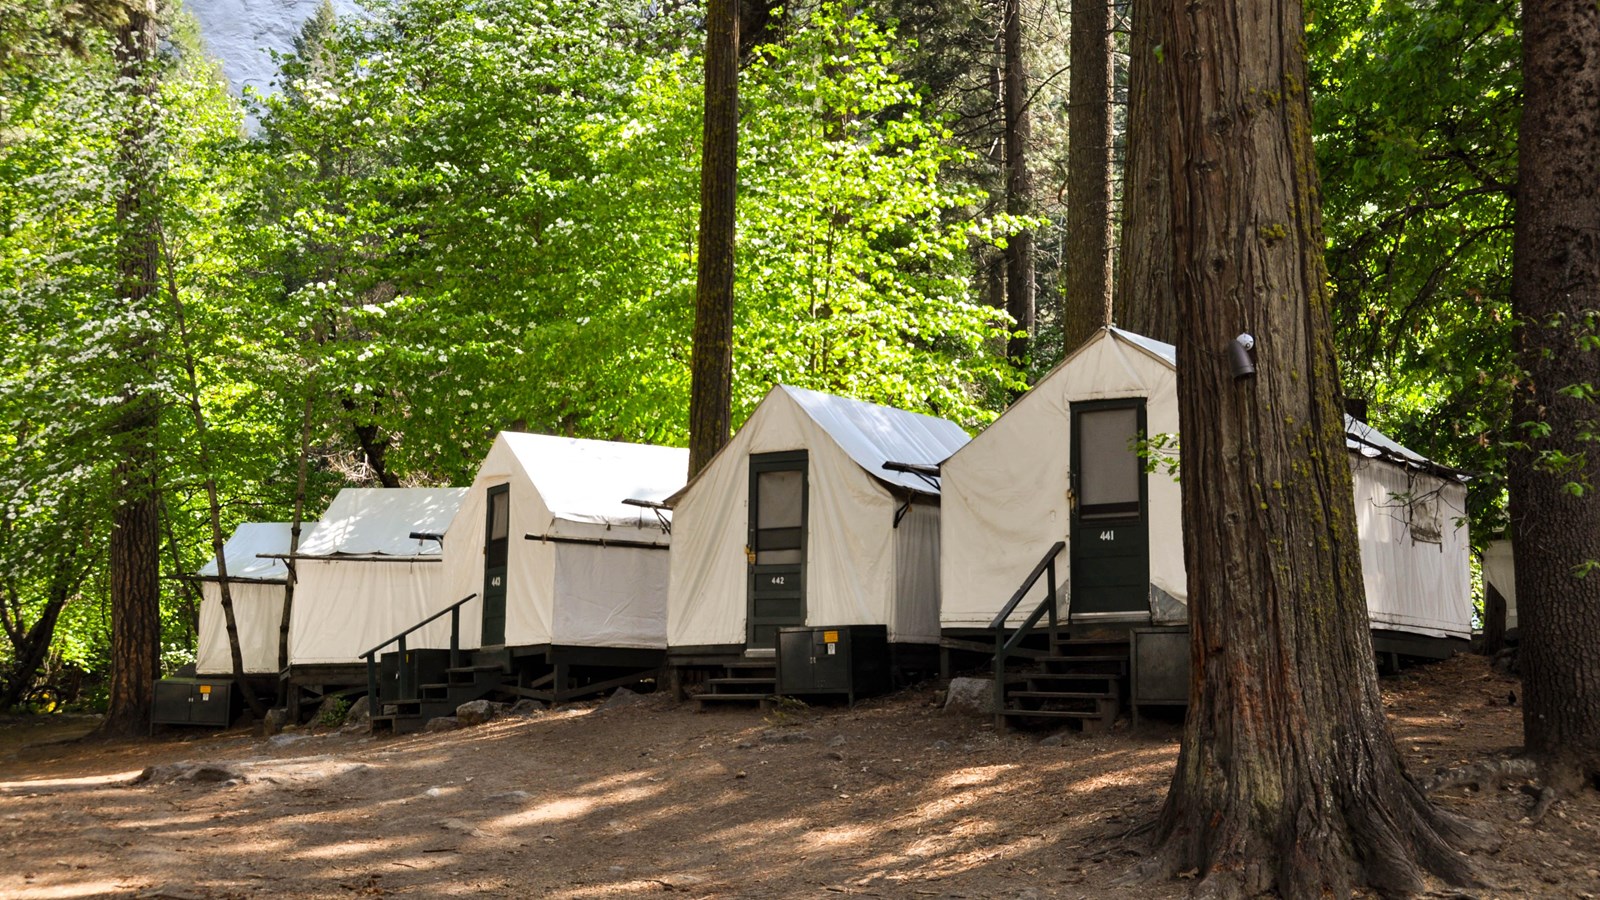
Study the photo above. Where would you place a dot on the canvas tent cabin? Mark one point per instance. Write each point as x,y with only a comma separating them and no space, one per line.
1063,465
797,522
361,578
256,585
570,579
1500,572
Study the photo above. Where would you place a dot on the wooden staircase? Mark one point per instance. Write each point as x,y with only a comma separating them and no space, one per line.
1084,680
743,682
462,684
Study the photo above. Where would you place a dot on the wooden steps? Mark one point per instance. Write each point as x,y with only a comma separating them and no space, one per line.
1083,680
743,682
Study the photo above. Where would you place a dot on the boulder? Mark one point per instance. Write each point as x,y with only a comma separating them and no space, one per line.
622,697
274,722
442,723
476,712
970,697
360,713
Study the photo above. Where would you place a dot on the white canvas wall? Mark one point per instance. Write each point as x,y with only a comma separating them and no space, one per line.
1412,584
1500,570
342,608
257,611
344,604
256,586
610,596
1006,494
916,572
850,549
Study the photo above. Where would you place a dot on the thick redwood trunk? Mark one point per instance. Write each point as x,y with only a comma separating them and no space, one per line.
1555,292
135,524
1087,290
1288,777
1019,187
1144,301
711,365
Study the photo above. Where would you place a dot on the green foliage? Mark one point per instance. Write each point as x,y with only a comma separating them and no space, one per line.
455,217
1416,112
333,715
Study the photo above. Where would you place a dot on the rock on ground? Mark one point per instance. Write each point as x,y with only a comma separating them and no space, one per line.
188,773
274,722
476,712
970,697
526,707
360,713
442,723
622,697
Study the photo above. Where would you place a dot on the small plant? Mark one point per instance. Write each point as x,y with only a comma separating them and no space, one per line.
333,714
785,710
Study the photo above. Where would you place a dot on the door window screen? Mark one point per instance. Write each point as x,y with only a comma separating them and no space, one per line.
499,515
780,510
1108,476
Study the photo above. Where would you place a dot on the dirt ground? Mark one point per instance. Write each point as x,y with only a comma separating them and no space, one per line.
891,799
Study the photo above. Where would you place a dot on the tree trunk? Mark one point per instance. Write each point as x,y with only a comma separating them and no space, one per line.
1087,301
1288,778
711,366
135,522
1019,188
1555,291
295,522
209,473
1494,620
1144,301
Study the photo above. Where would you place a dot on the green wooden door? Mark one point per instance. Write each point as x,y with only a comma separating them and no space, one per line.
777,545
496,544
1110,556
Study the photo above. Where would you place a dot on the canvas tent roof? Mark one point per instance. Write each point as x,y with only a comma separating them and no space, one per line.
379,522
241,553
586,481
1358,435
872,435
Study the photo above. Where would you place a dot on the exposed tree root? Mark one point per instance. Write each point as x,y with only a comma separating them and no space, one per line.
1491,774
1543,796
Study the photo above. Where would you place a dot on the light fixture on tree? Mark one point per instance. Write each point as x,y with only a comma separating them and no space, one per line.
1244,361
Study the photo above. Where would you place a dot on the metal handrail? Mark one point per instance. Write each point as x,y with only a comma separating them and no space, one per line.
371,656
1005,647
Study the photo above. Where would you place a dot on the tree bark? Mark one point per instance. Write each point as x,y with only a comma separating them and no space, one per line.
1019,188
1555,292
1087,301
1494,620
711,365
296,520
209,472
1288,778
135,522
1144,301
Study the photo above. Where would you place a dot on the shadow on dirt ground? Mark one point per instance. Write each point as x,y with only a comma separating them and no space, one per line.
890,799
